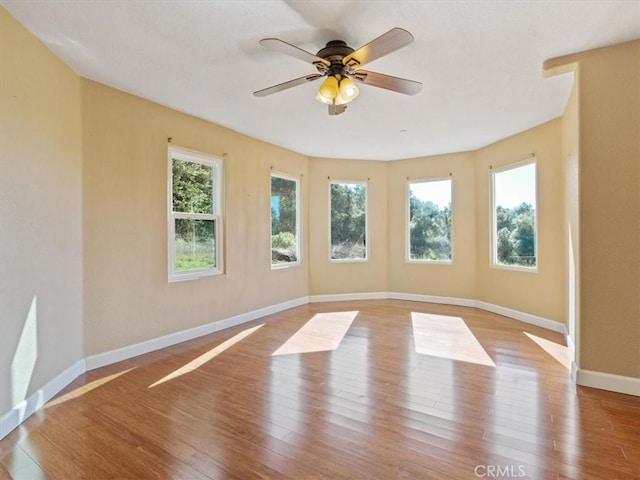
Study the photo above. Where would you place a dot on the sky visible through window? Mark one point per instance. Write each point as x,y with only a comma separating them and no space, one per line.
512,188
515,186
436,191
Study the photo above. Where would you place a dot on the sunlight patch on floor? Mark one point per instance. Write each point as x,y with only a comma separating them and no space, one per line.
205,357
559,352
322,333
78,392
447,337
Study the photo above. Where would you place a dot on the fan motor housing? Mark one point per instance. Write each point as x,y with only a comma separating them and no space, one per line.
334,51
335,48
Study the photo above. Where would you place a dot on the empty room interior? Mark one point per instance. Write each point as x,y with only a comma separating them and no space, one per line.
318,240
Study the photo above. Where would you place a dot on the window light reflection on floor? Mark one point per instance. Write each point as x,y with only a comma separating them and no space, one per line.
205,357
322,333
559,352
84,389
447,337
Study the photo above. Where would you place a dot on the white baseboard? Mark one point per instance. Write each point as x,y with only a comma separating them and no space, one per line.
18,414
462,302
523,317
343,297
570,344
572,354
608,381
601,380
413,297
574,371
123,353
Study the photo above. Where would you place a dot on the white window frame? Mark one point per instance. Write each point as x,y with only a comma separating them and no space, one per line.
408,258
493,245
215,163
286,176
366,221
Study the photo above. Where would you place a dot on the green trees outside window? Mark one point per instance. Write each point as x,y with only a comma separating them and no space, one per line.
514,215
430,220
194,220
194,241
348,220
284,220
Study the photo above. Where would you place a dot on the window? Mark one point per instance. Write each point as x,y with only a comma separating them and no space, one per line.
285,221
195,223
348,221
514,216
430,220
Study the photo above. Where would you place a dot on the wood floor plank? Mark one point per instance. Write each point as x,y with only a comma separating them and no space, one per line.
372,408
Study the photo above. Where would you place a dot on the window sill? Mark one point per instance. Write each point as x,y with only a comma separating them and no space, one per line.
430,262
515,268
195,276
284,266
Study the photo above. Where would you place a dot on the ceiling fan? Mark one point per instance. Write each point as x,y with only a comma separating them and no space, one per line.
342,65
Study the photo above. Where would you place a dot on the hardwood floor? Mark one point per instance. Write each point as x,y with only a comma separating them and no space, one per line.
384,401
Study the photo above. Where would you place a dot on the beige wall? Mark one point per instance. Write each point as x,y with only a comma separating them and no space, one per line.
609,128
543,292
127,296
328,277
602,142
40,220
457,279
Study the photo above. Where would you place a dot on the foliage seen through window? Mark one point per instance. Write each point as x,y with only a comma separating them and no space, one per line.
514,200
430,220
348,221
194,215
284,220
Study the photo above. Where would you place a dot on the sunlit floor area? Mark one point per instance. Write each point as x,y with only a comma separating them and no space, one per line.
380,389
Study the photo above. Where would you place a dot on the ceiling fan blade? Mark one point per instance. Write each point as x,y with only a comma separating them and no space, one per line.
293,51
396,84
283,86
391,41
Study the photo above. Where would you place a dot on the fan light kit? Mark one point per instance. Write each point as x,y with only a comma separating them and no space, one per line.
338,92
341,65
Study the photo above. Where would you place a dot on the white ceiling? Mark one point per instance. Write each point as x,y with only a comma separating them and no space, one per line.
480,63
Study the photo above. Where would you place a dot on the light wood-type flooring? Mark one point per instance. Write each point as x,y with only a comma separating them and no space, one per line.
380,389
